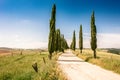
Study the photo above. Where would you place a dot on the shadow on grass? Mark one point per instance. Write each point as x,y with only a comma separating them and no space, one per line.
88,58
19,58
43,54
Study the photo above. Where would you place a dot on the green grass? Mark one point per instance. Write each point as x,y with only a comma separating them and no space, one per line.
104,59
19,67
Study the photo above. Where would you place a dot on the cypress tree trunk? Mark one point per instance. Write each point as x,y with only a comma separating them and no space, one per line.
94,53
50,56
80,51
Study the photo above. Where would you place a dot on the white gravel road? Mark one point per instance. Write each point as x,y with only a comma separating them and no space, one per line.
76,69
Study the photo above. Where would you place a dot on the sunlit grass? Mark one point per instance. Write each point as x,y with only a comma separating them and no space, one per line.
19,67
104,59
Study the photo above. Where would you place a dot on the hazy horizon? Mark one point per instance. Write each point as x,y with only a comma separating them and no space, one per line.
25,23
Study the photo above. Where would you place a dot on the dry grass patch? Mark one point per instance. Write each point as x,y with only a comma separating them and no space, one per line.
104,59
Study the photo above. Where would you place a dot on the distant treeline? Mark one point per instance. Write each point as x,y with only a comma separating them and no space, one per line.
115,51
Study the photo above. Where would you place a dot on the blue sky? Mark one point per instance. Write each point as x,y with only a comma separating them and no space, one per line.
25,23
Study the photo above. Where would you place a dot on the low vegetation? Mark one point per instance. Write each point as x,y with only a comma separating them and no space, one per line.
104,59
115,51
19,67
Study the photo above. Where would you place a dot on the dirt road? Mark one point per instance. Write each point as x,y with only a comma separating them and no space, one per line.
76,69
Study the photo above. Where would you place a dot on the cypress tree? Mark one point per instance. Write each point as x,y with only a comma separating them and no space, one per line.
93,35
51,43
56,40
73,44
62,43
80,39
65,44
74,41
59,40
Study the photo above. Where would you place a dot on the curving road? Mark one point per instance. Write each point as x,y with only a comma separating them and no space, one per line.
76,69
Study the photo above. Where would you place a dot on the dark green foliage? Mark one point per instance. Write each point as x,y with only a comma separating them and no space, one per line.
58,40
51,43
55,40
73,44
7,76
80,39
64,44
93,35
115,51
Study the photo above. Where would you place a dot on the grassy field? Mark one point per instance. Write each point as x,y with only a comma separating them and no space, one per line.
104,59
19,67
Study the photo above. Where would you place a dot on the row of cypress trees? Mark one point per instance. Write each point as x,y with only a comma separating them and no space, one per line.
57,41
93,37
60,42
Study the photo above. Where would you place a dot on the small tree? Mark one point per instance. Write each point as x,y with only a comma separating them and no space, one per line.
93,35
80,39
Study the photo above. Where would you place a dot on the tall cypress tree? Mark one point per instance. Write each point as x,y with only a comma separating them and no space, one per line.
80,39
65,43
74,41
56,40
93,35
59,40
73,44
62,43
51,43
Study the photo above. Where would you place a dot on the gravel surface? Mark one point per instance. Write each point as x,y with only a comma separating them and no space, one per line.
77,69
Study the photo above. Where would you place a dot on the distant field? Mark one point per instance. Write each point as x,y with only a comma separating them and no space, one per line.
19,67
4,52
104,59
